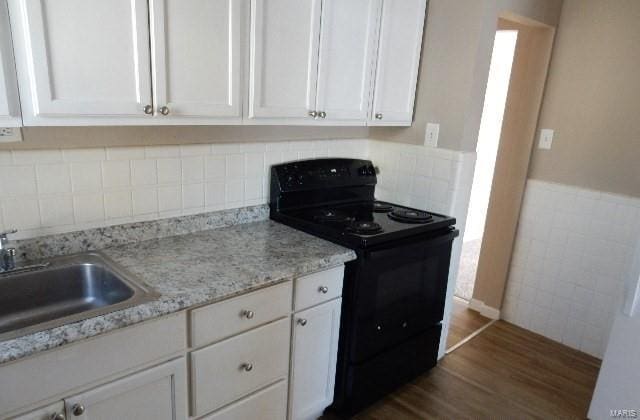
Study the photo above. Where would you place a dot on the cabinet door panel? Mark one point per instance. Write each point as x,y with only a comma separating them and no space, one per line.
197,55
82,58
399,46
313,366
158,393
9,106
284,57
346,58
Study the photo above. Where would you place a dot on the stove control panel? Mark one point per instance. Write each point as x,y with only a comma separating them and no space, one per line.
323,173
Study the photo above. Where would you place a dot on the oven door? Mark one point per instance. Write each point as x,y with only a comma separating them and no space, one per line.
399,293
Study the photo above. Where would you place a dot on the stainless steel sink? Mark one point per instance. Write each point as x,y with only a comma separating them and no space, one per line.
66,290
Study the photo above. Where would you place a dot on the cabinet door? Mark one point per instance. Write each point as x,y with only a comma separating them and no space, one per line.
313,363
158,393
399,45
82,61
284,56
346,59
198,49
45,413
9,106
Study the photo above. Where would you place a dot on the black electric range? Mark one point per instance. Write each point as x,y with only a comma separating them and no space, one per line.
393,293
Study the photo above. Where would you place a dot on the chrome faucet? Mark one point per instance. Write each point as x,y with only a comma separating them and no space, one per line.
7,255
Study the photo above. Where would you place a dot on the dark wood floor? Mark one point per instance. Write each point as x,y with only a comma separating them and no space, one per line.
505,372
464,322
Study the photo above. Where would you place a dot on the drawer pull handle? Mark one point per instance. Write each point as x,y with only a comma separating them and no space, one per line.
77,410
323,289
247,367
302,322
248,314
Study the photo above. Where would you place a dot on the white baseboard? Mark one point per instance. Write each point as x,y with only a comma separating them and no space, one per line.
488,311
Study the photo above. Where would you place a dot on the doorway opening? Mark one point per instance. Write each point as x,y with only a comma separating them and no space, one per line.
486,151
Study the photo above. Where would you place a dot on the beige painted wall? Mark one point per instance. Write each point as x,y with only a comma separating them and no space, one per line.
456,55
592,99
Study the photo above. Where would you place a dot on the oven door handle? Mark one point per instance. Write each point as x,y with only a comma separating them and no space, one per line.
428,243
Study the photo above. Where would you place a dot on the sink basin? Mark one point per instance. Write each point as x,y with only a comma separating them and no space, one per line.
66,290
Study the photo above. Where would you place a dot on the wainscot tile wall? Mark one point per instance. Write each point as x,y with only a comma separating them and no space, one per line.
573,251
52,191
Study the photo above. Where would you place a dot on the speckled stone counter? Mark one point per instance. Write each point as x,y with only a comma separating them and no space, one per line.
195,269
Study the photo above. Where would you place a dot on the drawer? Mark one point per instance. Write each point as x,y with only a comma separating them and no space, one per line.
267,404
231,369
224,319
318,287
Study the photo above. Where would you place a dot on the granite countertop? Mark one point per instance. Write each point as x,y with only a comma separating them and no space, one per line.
194,269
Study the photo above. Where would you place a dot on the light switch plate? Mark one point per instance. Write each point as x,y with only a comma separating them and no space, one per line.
431,135
546,139
10,135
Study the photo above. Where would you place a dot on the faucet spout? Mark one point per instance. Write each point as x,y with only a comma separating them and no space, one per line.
7,255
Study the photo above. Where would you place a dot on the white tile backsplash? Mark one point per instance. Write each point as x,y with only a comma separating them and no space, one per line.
572,252
49,191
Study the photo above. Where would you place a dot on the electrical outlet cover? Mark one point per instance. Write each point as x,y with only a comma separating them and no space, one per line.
546,139
10,135
431,135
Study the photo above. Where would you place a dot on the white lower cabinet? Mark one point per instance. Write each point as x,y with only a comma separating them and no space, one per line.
313,360
267,404
249,358
158,393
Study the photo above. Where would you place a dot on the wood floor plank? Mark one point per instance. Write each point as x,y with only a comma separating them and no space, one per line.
464,322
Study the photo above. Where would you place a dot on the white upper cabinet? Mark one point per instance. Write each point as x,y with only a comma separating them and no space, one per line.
197,48
399,46
161,62
82,62
284,59
347,48
9,104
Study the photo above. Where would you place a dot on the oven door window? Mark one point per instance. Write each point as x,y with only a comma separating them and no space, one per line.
400,293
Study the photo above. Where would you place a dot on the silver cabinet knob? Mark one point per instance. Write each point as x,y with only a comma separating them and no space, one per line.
58,416
313,114
164,110
247,367
378,116
77,409
302,322
323,289
248,314
148,109
322,114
